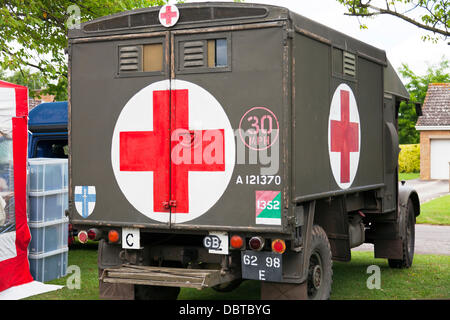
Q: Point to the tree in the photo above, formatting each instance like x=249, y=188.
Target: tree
x=34, y=34
x=417, y=87
x=430, y=15
x=26, y=77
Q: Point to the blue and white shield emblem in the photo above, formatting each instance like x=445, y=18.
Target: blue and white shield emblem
x=85, y=200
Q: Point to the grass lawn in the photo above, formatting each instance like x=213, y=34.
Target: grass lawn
x=436, y=211
x=428, y=278
x=84, y=256
x=408, y=176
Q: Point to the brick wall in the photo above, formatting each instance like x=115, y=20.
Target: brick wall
x=425, y=137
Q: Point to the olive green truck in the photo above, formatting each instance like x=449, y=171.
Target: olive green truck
x=216, y=142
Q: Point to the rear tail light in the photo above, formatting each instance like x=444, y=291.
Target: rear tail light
x=83, y=236
x=236, y=242
x=256, y=243
x=113, y=236
x=278, y=246
x=94, y=234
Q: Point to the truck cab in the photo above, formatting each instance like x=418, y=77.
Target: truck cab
x=47, y=135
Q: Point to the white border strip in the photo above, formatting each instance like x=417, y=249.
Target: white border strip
x=269, y=221
x=430, y=128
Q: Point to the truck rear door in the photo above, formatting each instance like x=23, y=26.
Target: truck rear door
x=227, y=103
x=193, y=138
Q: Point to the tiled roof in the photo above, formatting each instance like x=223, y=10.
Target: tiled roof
x=33, y=103
x=436, y=107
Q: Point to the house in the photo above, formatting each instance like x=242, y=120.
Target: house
x=434, y=127
x=41, y=98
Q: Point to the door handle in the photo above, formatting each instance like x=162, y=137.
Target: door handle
x=169, y=204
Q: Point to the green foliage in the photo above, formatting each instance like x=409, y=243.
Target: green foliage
x=430, y=15
x=417, y=87
x=33, y=80
x=408, y=176
x=409, y=158
x=34, y=34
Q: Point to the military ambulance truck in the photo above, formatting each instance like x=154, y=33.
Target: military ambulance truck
x=216, y=142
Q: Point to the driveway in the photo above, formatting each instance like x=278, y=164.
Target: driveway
x=429, y=189
x=429, y=240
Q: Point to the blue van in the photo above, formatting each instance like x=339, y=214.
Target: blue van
x=47, y=131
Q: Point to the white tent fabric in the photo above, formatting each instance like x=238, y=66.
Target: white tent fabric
x=7, y=109
x=27, y=290
x=7, y=246
x=14, y=231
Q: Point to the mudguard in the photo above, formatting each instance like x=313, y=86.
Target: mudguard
x=404, y=194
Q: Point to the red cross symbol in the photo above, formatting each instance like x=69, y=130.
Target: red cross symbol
x=345, y=136
x=149, y=150
x=168, y=15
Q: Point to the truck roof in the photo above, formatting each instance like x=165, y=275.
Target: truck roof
x=209, y=14
x=49, y=116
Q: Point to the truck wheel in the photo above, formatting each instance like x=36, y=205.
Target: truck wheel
x=320, y=270
x=142, y=292
x=228, y=286
x=408, y=239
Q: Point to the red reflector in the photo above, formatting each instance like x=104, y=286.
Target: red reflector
x=113, y=236
x=92, y=235
x=236, y=242
x=256, y=243
x=278, y=246
x=83, y=236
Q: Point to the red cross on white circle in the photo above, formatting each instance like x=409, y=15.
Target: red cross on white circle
x=169, y=15
x=344, y=136
x=155, y=158
x=157, y=129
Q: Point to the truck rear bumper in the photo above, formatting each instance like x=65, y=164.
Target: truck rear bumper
x=167, y=277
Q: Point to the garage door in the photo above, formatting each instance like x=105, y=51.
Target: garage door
x=440, y=157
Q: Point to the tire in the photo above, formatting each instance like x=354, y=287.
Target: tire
x=320, y=270
x=228, y=286
x=142, y=292
x=408, y=234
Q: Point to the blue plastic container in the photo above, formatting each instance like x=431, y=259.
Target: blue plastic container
x=46, y=174
x=47, y=205
x=48, y=236
x=50, y=265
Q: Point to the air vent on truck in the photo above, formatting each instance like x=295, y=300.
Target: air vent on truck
x=194, y=54
x=141, y=58
x=109, y=24
x=129, y=59
x=187, y=15
x=349, y=64
x=204, y=55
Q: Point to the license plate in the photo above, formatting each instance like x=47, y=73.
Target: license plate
x=131, y=238
x=261, y=265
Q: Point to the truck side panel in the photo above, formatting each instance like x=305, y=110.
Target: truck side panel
x=314, y=62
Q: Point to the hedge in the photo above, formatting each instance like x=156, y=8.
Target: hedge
x=409, y=158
